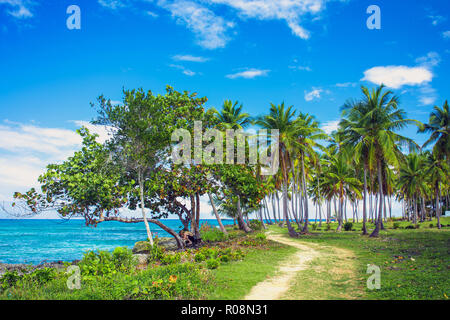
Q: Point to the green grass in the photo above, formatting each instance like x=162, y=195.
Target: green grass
x=414, y=264
x=235, y=280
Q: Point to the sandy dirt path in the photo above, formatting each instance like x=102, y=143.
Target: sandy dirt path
x=275, y=287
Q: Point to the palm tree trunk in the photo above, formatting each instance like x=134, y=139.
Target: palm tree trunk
x=438, y=213
x=305, y=226
x=241, y=222
x=377, y=229
x=222, y=228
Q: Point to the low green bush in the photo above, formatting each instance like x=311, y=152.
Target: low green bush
x=213, y=235
x=212, y=263
x=396, y=225
x=348, y=226
x=255, y=225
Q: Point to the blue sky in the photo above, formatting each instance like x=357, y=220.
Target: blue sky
x=313, y=54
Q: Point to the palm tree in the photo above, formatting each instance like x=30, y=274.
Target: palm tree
x=308, y=132
x=341, y=178
x=231, y=117
x=283, y=120
x=437, y=172
x=380, y=118
x=411, y=181
x=439, y=127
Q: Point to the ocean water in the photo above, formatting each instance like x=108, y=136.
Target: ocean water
x=34, y=241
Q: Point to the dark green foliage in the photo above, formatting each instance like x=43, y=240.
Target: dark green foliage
x=255, y=225
x=212, y=263
x=348, y=226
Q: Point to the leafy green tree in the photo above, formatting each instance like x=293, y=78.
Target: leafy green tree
x=439, y=127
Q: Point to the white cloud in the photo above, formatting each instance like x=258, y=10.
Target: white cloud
x=293, y=12
x=185, y=71
x=436, y=19
x=446, y=34
x=432, y=59
x=313, y=94
x=189, y=58
x=112, y=4
x=398, y=76
x=249, y=74
x=152, y=14
x=330, y=126
x=346, y=84
x=427, y=100
x=20, y=8
x=300, y=68
x=209, y=28
x=25, y=151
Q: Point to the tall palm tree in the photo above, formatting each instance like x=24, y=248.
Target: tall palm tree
x=283, y=120
x=308, y=133
x=411, y=181
x=231, y=117
x=341, y=178
x=380, y=118
x=439, y=127
x=437, y=171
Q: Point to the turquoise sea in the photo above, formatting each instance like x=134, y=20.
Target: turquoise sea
x=34, y=241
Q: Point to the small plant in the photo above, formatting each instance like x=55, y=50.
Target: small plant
x=261, y=236
x=212, y=263
x=328, y=227
x=396, y=225
x=431, y=225
x=348, y=226
x=212, y=235
x=314, y=226
x=199, y=257
x=255, y=225
x=417, y=226
x=410, y=227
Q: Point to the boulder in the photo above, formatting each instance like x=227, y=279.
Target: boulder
x=168, y=243
x=141, y=259
x=141, y=247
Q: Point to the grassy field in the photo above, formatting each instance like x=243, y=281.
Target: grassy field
x=414, y=263
x=234, y=280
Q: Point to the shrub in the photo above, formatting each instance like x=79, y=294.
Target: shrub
x=171, y=258
x=348, y=226
x=431, y=225
x=199, y=257
x=224, y=258
x=314, y=226
x=255, y=225
x=9, y=279
x=213, y=235
x=261, y=236
x=328, y=227
x=410, y=227
x=105, y=263
x=417, y=226
x=212, y=263
x=396, y=225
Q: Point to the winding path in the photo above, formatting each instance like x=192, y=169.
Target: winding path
x=274, y=288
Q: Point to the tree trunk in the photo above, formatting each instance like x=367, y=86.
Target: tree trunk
x=438, y=212
x=377, y=229
x=291, y=230
x=241, y=222
x=305, y=226
x=222, y=228
x=144, y=216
